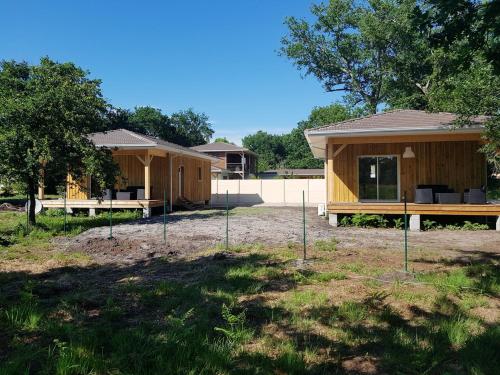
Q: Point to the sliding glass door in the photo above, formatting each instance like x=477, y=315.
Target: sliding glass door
x=378, y=178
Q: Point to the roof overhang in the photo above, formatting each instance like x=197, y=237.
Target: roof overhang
x=172, y=150
x=317, y=140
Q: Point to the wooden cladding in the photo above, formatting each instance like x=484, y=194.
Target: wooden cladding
x=458, y=164
x=133, y=173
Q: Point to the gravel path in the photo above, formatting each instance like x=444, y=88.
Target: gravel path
x=191, y=232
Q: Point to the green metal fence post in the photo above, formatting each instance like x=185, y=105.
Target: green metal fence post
x=27, y=213
x=227, y=220
x=111, y=216
x=406, y=235
x=164, y=216
x=304, y=221
x=65, y=213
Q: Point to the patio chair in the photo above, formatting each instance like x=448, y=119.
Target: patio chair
x=448, y=198
x=123, y=195
x=475, y=196
x=423, y=196
x=108, y=195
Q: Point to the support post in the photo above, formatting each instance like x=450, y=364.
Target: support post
x=147, y=177
x=146, y=212
x=41, y=186
x=415, y=223
x=91, y=212
x=304, y=221
x=498, y=223
x=333, y=220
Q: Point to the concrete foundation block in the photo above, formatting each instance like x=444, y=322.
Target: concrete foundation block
x=333, y=220
x=146, y=212
x=415, y=223
x=91, y=212
x=498, y=223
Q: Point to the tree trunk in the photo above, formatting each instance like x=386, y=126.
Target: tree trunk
x=31, y=214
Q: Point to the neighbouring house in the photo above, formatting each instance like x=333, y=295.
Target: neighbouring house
x=234, y=162
x=372, y=162
x=151, y=171
x=293, y=173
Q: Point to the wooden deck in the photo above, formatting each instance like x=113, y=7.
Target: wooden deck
x=104, y=204
x=490, y=209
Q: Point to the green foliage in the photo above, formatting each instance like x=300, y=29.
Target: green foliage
x=292, y=150
x=398, y=223
x=366, y=220
x=345, y=221
x=429, y=224
x=235, y=329
x=326, y=245
x=269, y=147
x=221, y=139
x=46, y=111
x=352, y=311
x=186, y=128
x=357, y=47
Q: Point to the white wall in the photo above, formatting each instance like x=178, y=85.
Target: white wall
x=285, y=192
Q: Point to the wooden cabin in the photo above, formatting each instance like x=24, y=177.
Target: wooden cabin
x=373, y=162
x=150, y=171
x=233, y=162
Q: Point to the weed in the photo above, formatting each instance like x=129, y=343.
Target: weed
x=398, y=223
x=235, y=329
x=352, y=311
x=326, y=245
x=365, y=221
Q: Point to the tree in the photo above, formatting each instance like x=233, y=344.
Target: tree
x=191, y=128
x=356, y=47
x=298, y=153
x=46, y=111
x=269, y=147
x=221, y=140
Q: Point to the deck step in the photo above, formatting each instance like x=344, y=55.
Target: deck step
x=188, y=205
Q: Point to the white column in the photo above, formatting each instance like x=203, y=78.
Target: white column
x=333, y=220
x=498, y=223
x=415, y=223
x=91, y=212
x=146, y=212
x=147, y=177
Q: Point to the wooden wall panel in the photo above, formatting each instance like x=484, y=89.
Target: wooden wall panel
x=132, y=174
x=194, y=189
x=77, y=189
x=457, y=164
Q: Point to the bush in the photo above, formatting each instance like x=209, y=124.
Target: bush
x=398, y=223
x=55, y=212
x=365, y=220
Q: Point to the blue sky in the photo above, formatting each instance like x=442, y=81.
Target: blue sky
x=219, y=56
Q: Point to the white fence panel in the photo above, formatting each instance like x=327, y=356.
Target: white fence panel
x=271, y=192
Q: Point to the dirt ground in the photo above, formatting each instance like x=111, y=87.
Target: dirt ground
x=189, y=233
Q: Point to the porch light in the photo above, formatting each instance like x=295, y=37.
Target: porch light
x=408, y=154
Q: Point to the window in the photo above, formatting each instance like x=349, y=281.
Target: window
x=200, y=176
x=378, y=178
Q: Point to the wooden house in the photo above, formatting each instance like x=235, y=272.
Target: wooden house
x=373, y=162
x=233, y=162
x=150, y=171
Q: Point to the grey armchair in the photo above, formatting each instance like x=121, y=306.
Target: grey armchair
x=475, y=196
x=424, y=196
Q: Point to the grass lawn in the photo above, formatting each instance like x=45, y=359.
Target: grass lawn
x=251, y=311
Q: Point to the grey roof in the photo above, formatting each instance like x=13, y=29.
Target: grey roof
x=122, y=138
x=221, y=147
x=296, y=172
x=396, y=120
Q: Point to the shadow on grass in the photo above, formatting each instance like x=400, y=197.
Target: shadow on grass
x=202, y=316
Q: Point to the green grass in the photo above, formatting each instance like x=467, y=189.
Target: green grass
x=253, y=312
x=328, y=245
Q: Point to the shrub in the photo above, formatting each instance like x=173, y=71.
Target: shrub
x=56, y=212
x=345, y=221
x=429, y=224
x=365, y=220
x=398, y=223
x=474, y=226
